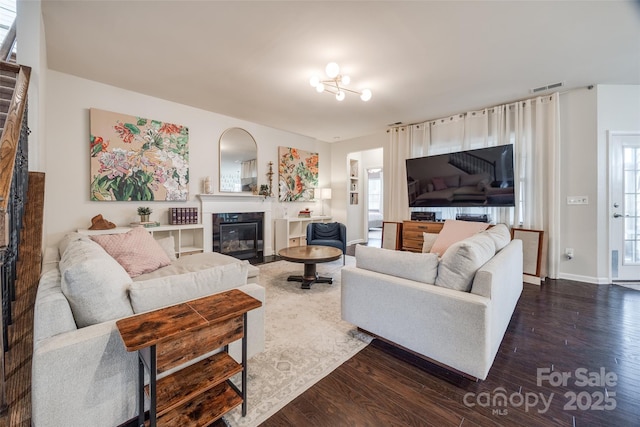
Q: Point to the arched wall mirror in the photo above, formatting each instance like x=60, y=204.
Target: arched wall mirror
x=238, y=161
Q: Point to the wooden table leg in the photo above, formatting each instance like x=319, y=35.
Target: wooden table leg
x=309, y=277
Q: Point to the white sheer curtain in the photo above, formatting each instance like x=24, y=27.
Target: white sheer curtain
x=406, y=142
x=532, y=126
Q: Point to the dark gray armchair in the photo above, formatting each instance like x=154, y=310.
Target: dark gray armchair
x=328, y=234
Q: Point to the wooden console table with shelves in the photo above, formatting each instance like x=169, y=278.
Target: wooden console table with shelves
x=170, y=337
x=412, y=238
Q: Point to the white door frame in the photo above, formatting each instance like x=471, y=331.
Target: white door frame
x=610, y=209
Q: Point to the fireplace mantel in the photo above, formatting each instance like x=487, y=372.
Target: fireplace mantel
x=231, y=197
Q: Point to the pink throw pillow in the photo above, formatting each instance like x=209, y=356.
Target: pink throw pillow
x=453, y=231
x=136, y=250
x=439, y=184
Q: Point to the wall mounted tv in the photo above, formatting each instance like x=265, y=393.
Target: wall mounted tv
x=482, y=177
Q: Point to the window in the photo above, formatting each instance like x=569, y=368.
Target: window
x=7, y=16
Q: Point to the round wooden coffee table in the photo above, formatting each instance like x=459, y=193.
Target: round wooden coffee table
x=310, y=256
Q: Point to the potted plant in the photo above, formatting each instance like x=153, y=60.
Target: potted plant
x=144, y=213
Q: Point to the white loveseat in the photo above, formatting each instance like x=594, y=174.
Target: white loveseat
x=81, y=373
x=452, y=310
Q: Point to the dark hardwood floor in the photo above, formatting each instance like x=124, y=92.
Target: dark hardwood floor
x=587, y=334
x=561, y=327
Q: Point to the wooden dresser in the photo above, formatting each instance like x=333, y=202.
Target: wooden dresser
x=412, y=239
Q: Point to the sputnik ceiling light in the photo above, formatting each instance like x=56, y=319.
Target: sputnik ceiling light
x=336, y=83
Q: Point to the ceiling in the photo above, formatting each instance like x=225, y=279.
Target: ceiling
x=422, y=60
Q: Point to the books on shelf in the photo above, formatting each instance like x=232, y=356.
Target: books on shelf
x=304, y=214
x=145, y=224
x=181, y=216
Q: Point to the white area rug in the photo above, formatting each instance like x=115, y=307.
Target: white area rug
x=305, y=340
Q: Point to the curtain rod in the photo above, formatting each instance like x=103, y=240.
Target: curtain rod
x=589, y=87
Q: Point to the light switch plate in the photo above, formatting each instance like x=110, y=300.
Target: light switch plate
x=577, y=200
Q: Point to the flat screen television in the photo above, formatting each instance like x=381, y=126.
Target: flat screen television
x=482, y=177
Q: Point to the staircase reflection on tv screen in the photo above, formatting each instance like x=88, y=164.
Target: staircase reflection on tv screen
x=482, y=177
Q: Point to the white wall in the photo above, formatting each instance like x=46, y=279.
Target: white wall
x=340, y=208
x=68, y=99
x=585, y=117
x=578, y=116
x=31, y=52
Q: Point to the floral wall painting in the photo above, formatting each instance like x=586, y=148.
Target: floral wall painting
x=137, y=159
x=298, y=174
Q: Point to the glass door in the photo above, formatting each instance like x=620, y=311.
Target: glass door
x=624, y=219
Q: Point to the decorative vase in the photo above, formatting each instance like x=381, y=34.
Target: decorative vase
x=144, y=218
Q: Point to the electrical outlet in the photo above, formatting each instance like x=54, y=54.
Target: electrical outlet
x=569, y=253
x=577, y=200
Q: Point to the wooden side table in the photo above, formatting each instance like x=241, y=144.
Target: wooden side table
x=169, y=337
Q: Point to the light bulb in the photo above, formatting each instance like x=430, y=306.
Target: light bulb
x=320, y=87
x=340, y=95
x=314, y=81
x=332, y=69
x=345, y=80
x=366, y=95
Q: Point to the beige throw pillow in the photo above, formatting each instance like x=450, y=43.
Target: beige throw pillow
x=460, y=262
x=94, y=283
x=168, y=246
x=500, y=235
x=428, y=240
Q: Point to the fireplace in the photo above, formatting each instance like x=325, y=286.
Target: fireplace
x=239, y=235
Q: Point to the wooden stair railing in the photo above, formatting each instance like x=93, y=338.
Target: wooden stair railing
x=13, y=187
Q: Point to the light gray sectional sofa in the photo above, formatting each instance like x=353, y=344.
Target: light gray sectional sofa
x=453, y=310
x=81, y=373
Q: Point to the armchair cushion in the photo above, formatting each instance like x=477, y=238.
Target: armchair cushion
x=327, y=234
x=329, y=231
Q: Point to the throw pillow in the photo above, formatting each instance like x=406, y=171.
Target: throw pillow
x=164, y=291
x=68, y=238
x=136, y=250
x=460, y=262
x=94, y=284
x=168, y=246
x=500, y=235
x=408, y=265
x=454, y=231
x=438, y=184
x=429, y=240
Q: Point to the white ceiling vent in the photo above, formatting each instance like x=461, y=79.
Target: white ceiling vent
x=547, y=87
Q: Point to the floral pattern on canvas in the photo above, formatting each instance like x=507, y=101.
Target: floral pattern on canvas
x=137, y=159
x=298, y=174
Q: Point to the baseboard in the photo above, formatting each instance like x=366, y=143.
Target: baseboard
x=585, y=279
